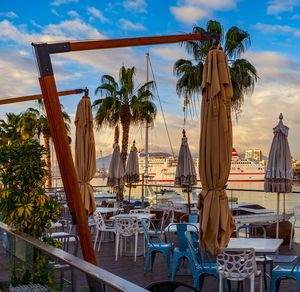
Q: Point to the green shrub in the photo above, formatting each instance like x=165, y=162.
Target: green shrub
x=24, y=204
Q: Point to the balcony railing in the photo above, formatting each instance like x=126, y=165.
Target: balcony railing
x=18, y=255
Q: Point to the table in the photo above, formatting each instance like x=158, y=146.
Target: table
x=136, y=215
x=105, y=210
x=264, y=245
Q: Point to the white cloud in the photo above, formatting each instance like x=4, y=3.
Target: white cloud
x=66, y=30
x=284, y=29
x=279, y=6
x=59, y=2
x=138, y=6
x=191, y=11
x=295, y=17
x=190, y=14
x=54, y=12
x=9, y=14
x=73, y=13
x=277, y=90
x=128, y=25
x=97, y=14
x=214, y=4
x=170, y=53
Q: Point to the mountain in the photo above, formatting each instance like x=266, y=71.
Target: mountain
x=161, y=154
x=103, y=162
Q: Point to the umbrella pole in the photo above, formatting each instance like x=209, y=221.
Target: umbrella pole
x=283, y=206
x=277, y=223
x=129, y=193
x=189, y=202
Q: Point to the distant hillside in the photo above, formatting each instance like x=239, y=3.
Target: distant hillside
x=105, y=161
x=161, y=154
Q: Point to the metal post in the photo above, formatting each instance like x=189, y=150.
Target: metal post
x=147, y=136
x=63, y=150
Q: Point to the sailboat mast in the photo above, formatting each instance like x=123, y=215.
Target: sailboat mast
x=147, y=127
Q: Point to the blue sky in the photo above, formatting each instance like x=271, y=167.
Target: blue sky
x=274, y=27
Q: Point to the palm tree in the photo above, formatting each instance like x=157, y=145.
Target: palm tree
x=243, y=73
x=124, y=103
x=35, y=119
x=10, y=128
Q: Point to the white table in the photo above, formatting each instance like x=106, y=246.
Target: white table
x=136, y=215
x=264, y=245
x=105, y=210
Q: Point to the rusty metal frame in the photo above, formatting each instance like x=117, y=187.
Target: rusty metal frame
x=54, y=113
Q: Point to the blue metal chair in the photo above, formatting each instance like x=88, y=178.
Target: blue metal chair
x=280, y=272
x=169, y=286
x=201, y=269
x=156, y=247
x=190, y=218
x=181, y=251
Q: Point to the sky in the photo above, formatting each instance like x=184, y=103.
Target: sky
x=274, y=27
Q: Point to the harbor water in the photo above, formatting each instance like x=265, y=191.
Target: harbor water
x=248, y=192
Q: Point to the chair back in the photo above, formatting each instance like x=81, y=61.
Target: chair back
x=296, y=265
x=165, y=205
x=70, y=242
x=146, y=225
x=127, y=226
x=190, y=244
x=190, y=218
x=99, y=220
x=181, y=228
x=236, y=263
x=251, y=231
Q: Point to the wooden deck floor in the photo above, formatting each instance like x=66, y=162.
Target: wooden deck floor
x=132, y=271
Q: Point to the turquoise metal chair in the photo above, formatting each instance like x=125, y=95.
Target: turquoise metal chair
x=155, y=247
x=280, y=272
x=181, y=251
x=201, y=269
x=190, y=218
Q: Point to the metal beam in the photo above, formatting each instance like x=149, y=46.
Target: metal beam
x=64, y=47
x=58, y=132
x=38, y=96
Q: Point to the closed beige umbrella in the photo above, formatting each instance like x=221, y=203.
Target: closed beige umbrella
x=185, y=171
x=132, y=174
x=116, y=172
x=85, y=157
x=279, y=173
x=216, y=222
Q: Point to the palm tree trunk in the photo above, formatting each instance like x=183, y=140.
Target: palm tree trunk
x=125, y=121
x=46, y=137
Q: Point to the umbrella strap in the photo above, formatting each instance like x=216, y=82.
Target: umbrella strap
x=214, y=188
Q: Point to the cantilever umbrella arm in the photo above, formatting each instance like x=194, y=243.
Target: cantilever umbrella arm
x=55, y=118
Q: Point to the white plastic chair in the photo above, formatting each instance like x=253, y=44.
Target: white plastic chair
x=237, y=264
x=126, y=227
x=295, y=223
x=102, y=227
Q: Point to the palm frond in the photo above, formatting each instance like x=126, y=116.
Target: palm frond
x=236, y=42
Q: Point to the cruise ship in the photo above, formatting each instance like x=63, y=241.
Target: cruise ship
x=162, y=169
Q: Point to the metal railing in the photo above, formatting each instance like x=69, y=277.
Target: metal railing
x=91, y=276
